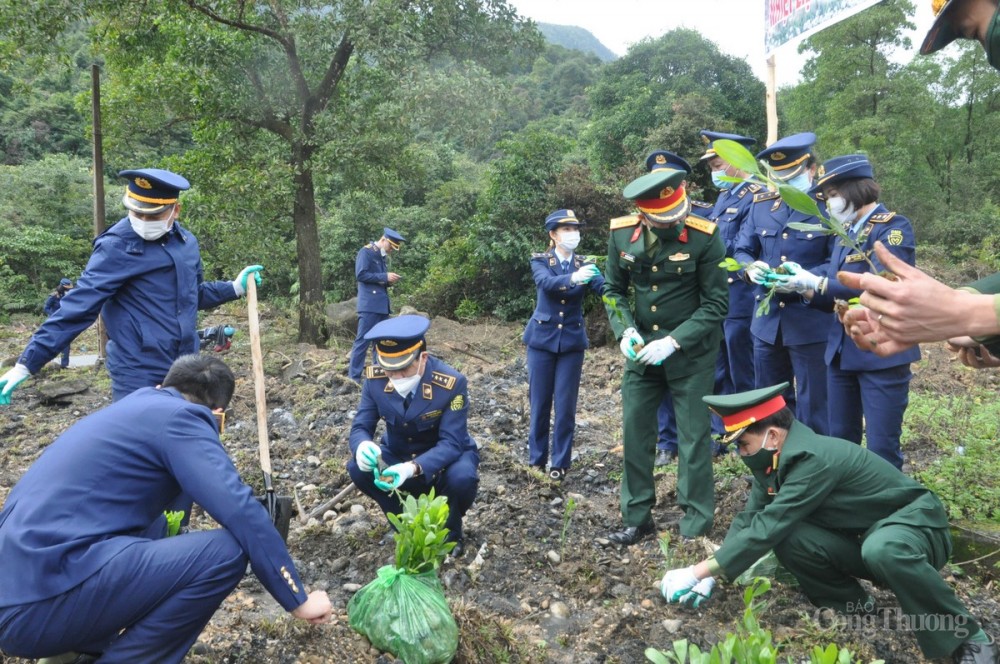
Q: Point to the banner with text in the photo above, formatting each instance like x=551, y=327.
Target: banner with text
x=789, y=20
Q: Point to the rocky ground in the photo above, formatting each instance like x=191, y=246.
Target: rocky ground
x=538, y=583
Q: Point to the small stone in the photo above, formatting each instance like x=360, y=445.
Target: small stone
x=526, y=608
x=603, y=541
x=357, y=510
x=553, y=557
x=313, y=460
x=556, y=501
x=545, y=604
x=559, y=610
x=312, y=522
x=501, y=489
x=351, y=587
x=329, y=515
x=672, y=626
x=309, y=487
x=646, y=604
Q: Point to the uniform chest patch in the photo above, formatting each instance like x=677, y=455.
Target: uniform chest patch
x=895, y=237
x=430, y=415
x=678, y=257
x=854, y=258
x=628, y=257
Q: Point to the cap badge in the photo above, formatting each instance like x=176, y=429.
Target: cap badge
x=777, y=156
x=144, y=183
x=660, y=159
x=388, y=342
x=937, y=6
x=821, y=172
x=705, y=140
x=667, y=192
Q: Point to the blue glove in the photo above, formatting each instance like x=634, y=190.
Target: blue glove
x=240, y=284
x=11, y=380
x=796, y=279
x=630, y=339
x=398, y=473
x=367, y=456
x=585, y=274
x=655, y=352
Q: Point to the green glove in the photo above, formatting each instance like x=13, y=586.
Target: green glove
x=240, y=284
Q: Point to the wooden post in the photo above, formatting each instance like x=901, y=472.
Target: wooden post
x=772, y=101
x=95, y=100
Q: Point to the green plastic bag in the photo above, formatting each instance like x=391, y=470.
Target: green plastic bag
x=767, y=566
x=406, y=615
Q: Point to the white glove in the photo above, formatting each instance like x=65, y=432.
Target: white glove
x=676, y=583
x=398, y=473
x=585, y=274
x=757, y=271
x=698, y=594
x=366, y=456
x=240, y=283
x=10, y=380
x=630, y=339
x=655, y=352
x=797, y=280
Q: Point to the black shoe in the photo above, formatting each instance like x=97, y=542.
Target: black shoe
x=459, y=548
x=977, y=653
x=632, y=534
x=664, y=458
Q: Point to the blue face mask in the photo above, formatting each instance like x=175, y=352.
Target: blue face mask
x=800, y=182
x=719, y=183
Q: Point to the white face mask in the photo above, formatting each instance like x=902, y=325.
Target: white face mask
x=149, y=230
x=404, y=386
x=569, y=240
x=840, y=210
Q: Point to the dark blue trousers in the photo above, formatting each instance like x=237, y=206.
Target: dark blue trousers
x=736, y=358
x=880, y=396
x=366, y=321
x=161, y=592
x=459, y=482
x=804, y=368
x=553, y=377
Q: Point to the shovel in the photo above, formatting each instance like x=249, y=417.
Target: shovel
x=279, y=508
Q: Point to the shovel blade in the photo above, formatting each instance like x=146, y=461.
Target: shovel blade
x=281, y=514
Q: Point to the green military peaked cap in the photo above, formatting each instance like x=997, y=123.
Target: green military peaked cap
x=660, y=195
x=738, y=411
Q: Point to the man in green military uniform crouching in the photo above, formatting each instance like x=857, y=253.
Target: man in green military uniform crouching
x=669, y=331
x=833, y=513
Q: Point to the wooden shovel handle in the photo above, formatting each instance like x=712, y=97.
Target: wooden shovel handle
x=258, y=376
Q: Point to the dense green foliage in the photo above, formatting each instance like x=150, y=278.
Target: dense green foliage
x=456, y=126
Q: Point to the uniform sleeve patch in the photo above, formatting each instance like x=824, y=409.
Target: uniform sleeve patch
x=881, y=217
x=374, y=371
x=895, y=237
x=624, y=222
x=443, y=380
x=458, y=402
x=699, y=224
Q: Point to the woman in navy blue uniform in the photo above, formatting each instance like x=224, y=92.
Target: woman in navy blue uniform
x=556, y=339
x=859, y=384
x=789, y=340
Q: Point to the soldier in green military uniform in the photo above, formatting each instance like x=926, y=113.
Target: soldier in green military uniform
x=833, y=513
x=670, y=331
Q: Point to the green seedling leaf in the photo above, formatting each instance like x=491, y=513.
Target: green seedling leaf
x=798, y=200
x=737, y=155
x=731, y=265
x=731, y=178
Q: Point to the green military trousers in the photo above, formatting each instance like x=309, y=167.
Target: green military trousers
x=642, y=392
x=906, y=559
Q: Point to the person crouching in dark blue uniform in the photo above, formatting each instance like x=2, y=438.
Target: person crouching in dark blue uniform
x=866, y=393
x=426, y=444
x=51, y=306
x=144, y=278
x=556, y=339
x=87, y=563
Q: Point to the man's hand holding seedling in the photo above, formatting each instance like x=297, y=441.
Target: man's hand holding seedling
x=396, y=475
x=631, y=343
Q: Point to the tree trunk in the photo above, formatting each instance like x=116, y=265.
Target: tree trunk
x=312, y=329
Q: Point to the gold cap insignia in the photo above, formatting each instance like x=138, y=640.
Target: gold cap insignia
x=570, y=214
x=777, y=156
x=821, y=172
x=705, y=140
x=388, y=342
x=937, y=6
x=667, y=192
x=660, y=159
x=144, y=183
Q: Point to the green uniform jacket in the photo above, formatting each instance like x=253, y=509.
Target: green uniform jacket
x=989, y=286
x=679, y=290
x=830, y=483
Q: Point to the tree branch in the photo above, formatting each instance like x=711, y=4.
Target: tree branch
x=330, y=80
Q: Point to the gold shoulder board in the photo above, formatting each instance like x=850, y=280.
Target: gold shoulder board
x=443, y=380
x=624, y=222
x=765, y=196
x=699, y=224
x=374, y=371
x=881, y=217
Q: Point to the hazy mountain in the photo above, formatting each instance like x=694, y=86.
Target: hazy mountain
x=571, y=36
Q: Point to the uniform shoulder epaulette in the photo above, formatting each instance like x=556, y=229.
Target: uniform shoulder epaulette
x=374, y=371
x=765, y=196
x=443, y=380
x=751, y=188
x=699, y=224
x=702, y=205
x=624, y=222
x=542, y=254
x=881, y=217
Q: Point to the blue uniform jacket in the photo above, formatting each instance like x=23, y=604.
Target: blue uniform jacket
x=51, y=305
x=433, y=432
x=731, y=210
x=557, y=323
x=103, y=482
x=373, y=280
x=765, y=236
x=896, y=233
x=149, y=293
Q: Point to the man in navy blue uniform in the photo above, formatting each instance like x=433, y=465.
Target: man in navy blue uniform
x=374, y=280
x=734, y=372
x=790, y=340
x=51, y=306
x=426, y=444
x=145, y=279
x=82, y=534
